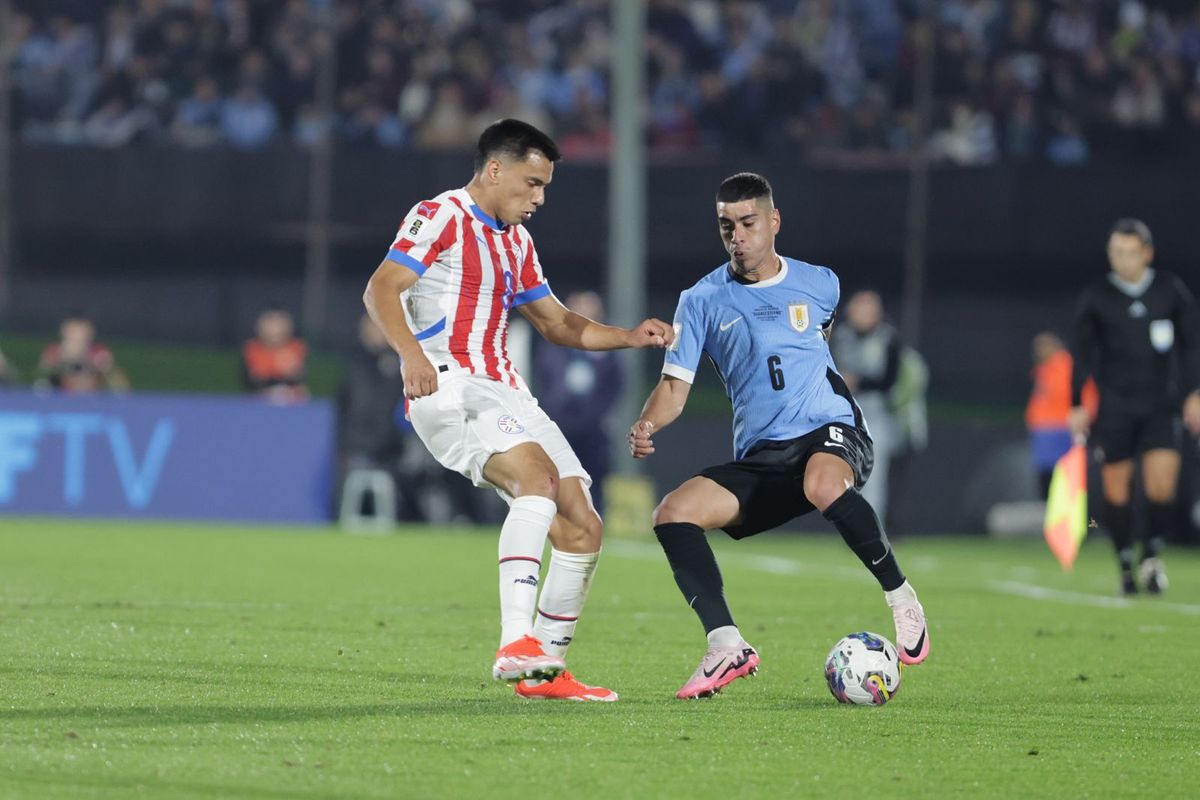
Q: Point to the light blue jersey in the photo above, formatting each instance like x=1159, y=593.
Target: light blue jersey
x=766, y=341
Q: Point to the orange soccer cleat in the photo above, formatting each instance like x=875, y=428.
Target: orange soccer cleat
x=525, y=658
x=565, y=687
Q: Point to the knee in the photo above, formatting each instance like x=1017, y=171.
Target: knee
x=669, y=510
x=1117, y=495
x=540, y=480
x=1162, y=493
x=823, y=489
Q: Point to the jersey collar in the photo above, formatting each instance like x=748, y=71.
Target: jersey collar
x=482, y=216
x=777, y=278
x=1132, y=289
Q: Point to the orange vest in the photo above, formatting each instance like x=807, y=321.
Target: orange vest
x=1050, y=403
x=275, y=364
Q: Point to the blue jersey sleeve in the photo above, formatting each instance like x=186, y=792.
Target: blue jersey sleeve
x=683, y=356
x=835, y=295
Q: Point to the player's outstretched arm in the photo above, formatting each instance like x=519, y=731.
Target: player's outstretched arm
x=382, y=299
x=560, y=325
x=663, y=407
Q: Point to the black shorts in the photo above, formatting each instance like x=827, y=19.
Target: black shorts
x=769, y=480
x=1120, y=435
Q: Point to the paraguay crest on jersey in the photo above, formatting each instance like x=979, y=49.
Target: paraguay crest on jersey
x=798, y=316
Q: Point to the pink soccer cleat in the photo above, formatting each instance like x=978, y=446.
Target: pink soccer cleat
x=720, y=667
x=912, y=635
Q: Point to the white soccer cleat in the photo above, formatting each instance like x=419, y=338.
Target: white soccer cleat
x=912, y=634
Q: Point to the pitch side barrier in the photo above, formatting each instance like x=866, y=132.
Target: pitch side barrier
x=163, y=456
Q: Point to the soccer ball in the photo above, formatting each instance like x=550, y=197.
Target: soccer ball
x=863, y=669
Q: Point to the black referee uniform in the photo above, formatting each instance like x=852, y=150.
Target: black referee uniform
x=1141, y=343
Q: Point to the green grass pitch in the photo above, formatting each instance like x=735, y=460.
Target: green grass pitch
x=203, y=661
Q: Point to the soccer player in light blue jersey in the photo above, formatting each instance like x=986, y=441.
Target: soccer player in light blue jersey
x=800, y=440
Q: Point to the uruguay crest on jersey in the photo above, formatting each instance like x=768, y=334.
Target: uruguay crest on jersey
x=781, y=385
x=798, y=316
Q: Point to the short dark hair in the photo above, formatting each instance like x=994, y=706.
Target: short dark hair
x=1130, y=226
x=512, y=137
x=744, y=186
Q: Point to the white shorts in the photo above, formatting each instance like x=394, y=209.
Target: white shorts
x=469, y=419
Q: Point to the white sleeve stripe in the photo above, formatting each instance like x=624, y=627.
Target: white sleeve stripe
x=676, y=371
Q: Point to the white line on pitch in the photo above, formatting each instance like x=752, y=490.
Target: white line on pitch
x=1032, y=592
x=778, y=565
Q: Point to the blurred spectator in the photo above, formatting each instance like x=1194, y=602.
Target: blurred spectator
x=7, y=373
x=370, y=398
x=248, y=120
x=448, y=125
x=198, y=118
x=580, y=389
x=968, y=138
x=1139, y=100
x=370, y=403
x=816, y=77
x=273, y=363
x=866, y=349
x=115, y=124
x=588, y=136
x=1067, y=147
x=1021, y=130
x=1049, y=405
x=911, y=412
x=77, y=363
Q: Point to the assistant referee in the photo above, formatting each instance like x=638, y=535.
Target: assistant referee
x=1137, y=333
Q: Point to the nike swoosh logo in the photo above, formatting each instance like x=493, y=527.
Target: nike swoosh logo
x=913, y=653
x=835, y=444
x=736, y=665
x=708, y=673
x=727, y=325
x=886, y=550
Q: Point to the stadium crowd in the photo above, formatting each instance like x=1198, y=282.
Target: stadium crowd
x=1018, y=80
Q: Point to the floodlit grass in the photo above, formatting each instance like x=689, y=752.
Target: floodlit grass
x=192, y=661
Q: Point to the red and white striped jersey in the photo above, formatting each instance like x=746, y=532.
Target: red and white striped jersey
x=473, y=271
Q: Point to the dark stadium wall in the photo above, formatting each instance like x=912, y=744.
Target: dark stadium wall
x=994, y=229
x=188, y=246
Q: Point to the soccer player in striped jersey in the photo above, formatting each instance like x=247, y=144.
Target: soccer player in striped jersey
x=800, y=440
x=458, y=266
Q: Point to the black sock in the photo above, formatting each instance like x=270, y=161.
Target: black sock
x=1160, y=524
x=859, y=525
x=1119, y=522
x=696, y=571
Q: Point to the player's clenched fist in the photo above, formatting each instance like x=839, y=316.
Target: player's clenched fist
x=651, y=333
x=640, y=443
x=420, y=378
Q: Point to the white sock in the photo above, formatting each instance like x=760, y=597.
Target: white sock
x=522, y=540
x=567, y=583
x=904, y=593
x=725, y=636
